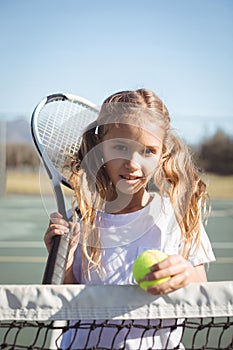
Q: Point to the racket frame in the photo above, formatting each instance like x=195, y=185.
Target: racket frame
x=57, y=259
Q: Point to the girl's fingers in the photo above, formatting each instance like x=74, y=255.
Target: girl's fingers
x=58, y=221
x=171, y=260
x=176, y=282
x=63, y=228
x=169, y=271
x=55, y=215
x=59, y=226
x=171, y=266
x=50, y=233
x=177, y=268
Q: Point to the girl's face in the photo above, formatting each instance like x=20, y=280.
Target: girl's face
x=131, y=155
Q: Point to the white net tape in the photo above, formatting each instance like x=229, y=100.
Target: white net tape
x=72, y=302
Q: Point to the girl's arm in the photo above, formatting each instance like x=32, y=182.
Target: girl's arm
x=58, y=226
x=181, y=271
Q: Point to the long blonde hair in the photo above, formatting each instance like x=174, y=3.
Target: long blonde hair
x=176, y=177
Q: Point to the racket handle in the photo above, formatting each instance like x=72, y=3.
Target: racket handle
x=56, y=263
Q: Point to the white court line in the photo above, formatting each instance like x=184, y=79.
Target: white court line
x=221, y=213
x=224, y=260
x=222, y=245
x=23, y=259
x=22, y=244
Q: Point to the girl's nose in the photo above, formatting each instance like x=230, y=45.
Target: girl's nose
x=132, y=163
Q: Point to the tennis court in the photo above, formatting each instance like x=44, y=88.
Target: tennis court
x=24, y=221
x=22, y=256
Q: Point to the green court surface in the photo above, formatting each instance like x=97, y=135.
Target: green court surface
x=24, y=220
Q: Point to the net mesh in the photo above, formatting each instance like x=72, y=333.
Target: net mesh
x=199, y=316
x=196, y=334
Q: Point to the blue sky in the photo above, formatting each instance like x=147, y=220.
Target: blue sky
x=181, y=49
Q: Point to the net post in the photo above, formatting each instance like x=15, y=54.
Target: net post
x=2, y=157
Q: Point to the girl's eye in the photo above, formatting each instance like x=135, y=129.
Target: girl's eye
x=121, y=148
x=148, y=152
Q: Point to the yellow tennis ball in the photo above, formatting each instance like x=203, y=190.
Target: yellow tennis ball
x=142, y=266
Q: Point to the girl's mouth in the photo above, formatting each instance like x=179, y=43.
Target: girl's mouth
x=130, y=177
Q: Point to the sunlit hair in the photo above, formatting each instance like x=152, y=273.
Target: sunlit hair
x=176, y=176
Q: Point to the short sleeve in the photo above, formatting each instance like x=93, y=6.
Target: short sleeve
x=204, y=253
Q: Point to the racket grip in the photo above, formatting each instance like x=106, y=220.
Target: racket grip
x=56, y=263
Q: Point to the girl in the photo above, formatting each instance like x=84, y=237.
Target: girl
x=130, y=148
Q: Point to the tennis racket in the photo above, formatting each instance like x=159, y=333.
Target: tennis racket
x=57, y=125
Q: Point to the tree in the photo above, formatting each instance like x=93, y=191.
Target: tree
x=21, y=155
x=215, y=154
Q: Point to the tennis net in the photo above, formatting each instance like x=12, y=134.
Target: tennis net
x=199, y=316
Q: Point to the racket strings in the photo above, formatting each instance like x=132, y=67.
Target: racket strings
x=60, y=127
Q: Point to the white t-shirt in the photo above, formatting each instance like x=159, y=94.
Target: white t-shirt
x=123, y=238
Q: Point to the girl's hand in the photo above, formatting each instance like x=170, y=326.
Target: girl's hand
x=58, y=226
x=181, y=271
